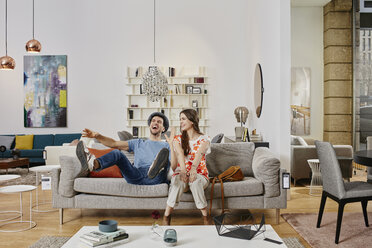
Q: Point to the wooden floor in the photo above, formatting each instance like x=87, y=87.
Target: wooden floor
x=48, y=223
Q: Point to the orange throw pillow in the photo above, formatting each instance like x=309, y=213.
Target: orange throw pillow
x=112, y=171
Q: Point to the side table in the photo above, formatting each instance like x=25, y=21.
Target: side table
x=316, y=178
x=19, y=189
x=4, y=178
x=38, y=170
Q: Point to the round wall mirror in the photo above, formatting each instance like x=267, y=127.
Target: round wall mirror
x=258, y=90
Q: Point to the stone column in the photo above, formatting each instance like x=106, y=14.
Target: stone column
x=338, y=72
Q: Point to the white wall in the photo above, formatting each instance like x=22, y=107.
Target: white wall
x=102, y=38
x=307, y=51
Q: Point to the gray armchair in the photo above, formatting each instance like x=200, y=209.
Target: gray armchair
x=335, y=188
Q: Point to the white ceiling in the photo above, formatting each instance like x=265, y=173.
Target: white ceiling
x=309, y=3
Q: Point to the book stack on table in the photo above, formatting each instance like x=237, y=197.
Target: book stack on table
x=96, y=238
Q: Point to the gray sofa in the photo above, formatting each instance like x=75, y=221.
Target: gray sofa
x=260, y=189
x=300, y=168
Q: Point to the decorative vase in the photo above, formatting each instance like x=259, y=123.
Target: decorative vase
x=239, y=132
x=156, y=232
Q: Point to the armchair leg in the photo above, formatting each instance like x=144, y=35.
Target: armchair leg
x=341, y=206
x=364, y=207
x=321, y=209
x=61, y=216
x=277, y=216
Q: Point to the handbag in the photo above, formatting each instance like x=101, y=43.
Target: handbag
x=233, y=173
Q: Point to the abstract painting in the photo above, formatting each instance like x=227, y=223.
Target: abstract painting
x=300, y=101
x=45, y=91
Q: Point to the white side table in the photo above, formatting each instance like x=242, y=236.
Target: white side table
x=316, y=185
x=38, y=170
x=19, y=189
x=4, y=178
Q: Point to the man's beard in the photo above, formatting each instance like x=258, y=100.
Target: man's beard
x=155, y=133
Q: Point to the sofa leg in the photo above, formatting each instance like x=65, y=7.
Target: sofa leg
x=61, y=216
x=277, y=216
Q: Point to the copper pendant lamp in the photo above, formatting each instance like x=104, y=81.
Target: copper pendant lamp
x=33, y=46
x=6, y=62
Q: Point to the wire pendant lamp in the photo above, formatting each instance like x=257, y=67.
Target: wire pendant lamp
x=6, y=62
x=33, y=46
x=154, y=82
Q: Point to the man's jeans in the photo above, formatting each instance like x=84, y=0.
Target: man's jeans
x=132, y=175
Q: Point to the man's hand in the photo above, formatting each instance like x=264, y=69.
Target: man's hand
x=193, y=174
x=89, y=133
x=171, y=137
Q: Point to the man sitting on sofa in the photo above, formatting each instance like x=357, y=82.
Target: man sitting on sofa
x=151, y=161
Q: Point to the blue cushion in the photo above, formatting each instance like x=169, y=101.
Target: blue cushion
x=43, y=140
x=59, y=139
x=34, y=153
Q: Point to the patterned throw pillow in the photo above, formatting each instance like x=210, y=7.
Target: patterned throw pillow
x=6, y=141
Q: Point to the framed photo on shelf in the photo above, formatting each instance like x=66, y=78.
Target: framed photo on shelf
x=196, y=90
x=189, y=90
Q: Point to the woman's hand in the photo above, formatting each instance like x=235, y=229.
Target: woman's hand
x=184, y=176
x=192, y=174
x=171, y=137
x=89, y=133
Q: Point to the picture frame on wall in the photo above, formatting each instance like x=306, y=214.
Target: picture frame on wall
x=196, y=90
x=189, y=89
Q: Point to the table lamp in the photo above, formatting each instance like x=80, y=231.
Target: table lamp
x=241, y=115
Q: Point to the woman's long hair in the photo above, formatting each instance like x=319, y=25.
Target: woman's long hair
x=192, y=116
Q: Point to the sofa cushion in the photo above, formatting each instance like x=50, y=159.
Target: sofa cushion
x=24, y=142
x=266, y=169
x=32, y=153
x=224, y=155
x=43, y=140
x=112, y=171
x=119, y=187
x=70, y=169
x=59, y=139
x=250, y=186
x=6, y=141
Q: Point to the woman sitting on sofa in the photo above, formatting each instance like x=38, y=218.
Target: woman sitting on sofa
x=191, y=171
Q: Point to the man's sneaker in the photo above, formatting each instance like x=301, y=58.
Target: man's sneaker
x=85, y=157
x=159, y=163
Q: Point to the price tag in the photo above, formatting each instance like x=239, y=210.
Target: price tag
x=46, y=183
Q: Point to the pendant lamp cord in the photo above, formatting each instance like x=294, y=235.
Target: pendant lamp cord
x=6, y=27
x=154, y=32
x=33, y=19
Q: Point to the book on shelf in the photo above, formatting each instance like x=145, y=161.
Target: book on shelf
x=110, y=239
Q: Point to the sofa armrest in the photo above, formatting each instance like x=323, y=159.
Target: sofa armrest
x=70, y=170
x=266, y=168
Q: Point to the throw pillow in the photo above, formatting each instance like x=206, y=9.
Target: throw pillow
x=266, y=169
x=112, y=171
x=24, y=142
x=6, y=141
x=124, y=135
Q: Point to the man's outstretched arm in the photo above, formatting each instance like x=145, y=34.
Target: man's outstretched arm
x=107, y=141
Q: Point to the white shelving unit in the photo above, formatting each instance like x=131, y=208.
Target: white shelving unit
x=188, y=88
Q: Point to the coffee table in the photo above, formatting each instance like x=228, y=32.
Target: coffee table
x=187, y=236
x=4, y=178
x=14, y=189
x=6, y=163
